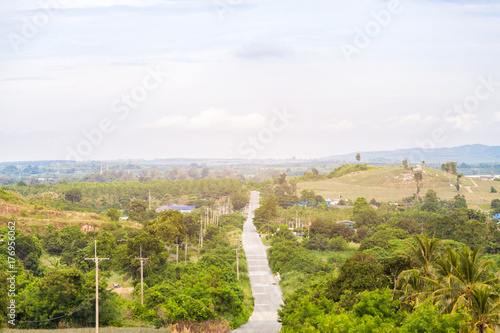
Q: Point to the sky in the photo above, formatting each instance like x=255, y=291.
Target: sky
x=127, y=79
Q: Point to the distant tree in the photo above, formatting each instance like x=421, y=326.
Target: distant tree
x=21, y=183
x=239, y=200
x=358, y=157
x=137, y=210
x=339, y=244
x=315, y=172
x=169, y=227
x=318, y=242
x=431, y=202
x=405, y=163
x=495, y=203
x=460, y=201
x=418, y=176
x=360, y=204
x=73, y=195
x=458, y=181
x=493, y=190
x=308, y=196
x=113, y=214
x=205, y=172
x=282, y=179
x=450, y=167
x=267, y=211
x=193, y=173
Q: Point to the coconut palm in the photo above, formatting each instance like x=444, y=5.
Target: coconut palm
x=458, y=276
x=485, y=310
x=424, y=253
x=414, y=285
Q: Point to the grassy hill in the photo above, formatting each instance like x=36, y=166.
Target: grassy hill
x=392, y=183
x=33, y=217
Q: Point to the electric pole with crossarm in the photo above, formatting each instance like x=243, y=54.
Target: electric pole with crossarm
x=142, y=260
x=96, y=260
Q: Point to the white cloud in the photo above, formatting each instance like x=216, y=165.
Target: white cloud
x=464, y=122
x=212, y=119
x=413, y=119
x=343, y=124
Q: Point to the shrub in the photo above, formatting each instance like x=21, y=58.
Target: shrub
x=338, y=244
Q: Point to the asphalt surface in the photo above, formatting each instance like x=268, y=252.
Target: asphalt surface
x=265, y=290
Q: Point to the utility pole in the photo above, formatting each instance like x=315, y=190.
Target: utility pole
x=177, y=256
x=186, y=250
x=142, y=260
x=96, y=260
x=201, y=233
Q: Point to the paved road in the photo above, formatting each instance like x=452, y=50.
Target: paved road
x=266, y=293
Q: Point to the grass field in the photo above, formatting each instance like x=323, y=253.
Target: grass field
x=393, y=183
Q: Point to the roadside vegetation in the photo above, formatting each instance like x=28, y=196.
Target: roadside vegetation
x=428, y=266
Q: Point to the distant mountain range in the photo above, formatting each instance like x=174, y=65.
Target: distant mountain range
x=462, y=154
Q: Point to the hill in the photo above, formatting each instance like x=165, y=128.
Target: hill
x=34, y=217
x=463, y=154
x=392, y=183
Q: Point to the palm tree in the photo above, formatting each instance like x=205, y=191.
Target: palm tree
x=424, y=254
x=462, y=278
x=485, y=310
x=415, y=285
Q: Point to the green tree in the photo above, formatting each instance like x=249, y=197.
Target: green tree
x=412, y=284
x=360, y=204
x=239, y=200
x=458, y=275
x=317, y=242
x=360, y=272
x=61, y=292
x=460, y=201
x=431, y=203
x=169, y=227
x=418, y=177
x=267, y=211
x=315, y=172
x=485, y=309
x=493, y=190
x=405, y=163
x=458, y=181
x=73, y=195
x=137, y=210
x=358, y=157
x=113, y=214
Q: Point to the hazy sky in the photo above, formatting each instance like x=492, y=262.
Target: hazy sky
x=111, y=79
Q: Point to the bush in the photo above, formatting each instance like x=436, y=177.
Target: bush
x=372, y=242
x=317, y=242
x=113, y=214
x=493, y=190
x=338, y=244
